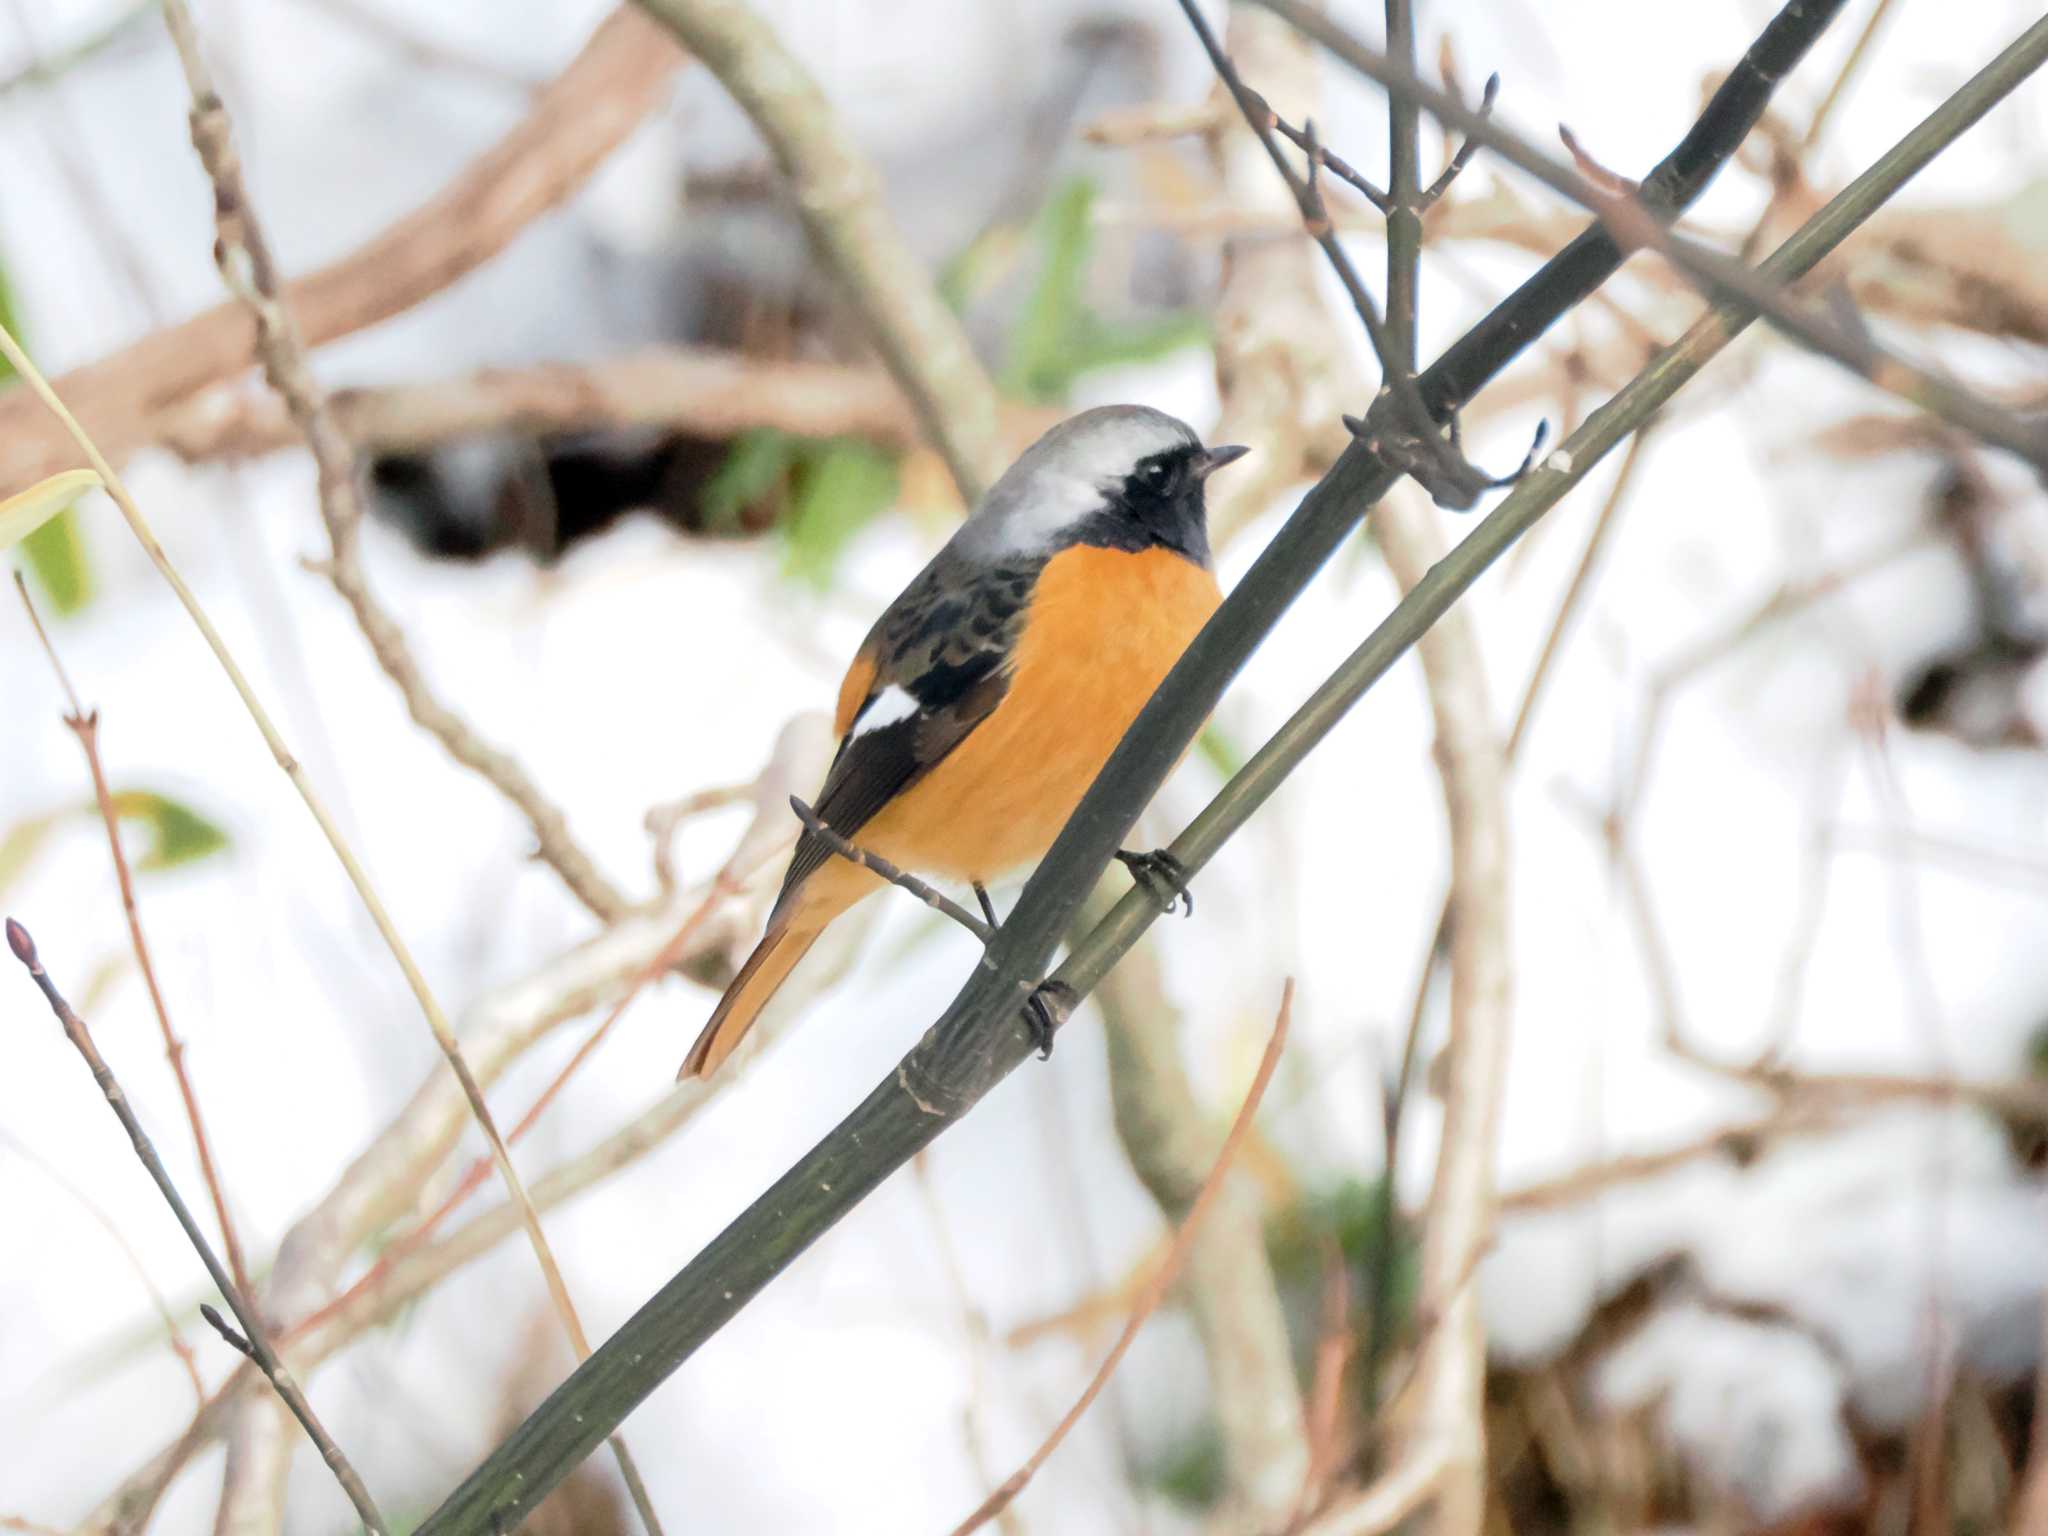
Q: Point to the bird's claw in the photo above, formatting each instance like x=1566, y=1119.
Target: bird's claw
x=1163, y=875
x=1045, y=1010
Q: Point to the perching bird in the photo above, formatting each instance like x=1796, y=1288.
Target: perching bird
x=990, y=693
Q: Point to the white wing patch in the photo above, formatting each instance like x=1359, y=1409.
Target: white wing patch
x=893, y=704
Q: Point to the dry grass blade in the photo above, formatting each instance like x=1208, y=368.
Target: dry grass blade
x=1156, y=1288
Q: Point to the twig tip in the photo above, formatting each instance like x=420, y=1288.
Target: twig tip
x=23, y=946
x=226, y=1330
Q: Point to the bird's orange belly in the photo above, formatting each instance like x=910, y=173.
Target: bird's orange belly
x=1104, y=628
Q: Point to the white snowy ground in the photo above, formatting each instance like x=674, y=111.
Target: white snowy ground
x=836, y=1403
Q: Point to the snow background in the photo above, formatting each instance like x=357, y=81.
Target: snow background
x=836, y=1403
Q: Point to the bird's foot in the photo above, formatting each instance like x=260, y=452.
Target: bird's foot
x=1045, y=1010
x=1163, y=875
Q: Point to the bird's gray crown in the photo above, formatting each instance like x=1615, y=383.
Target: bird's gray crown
x=1067, y=475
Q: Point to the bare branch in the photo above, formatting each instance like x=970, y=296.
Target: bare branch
x=1719, y=276
x=882, y=869
x=254, y=1345
x=1284, y=372
x=705, y=393
x=1420, y=449
x=86, y=727
x=620, y=76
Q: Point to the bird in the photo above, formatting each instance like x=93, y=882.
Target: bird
x=989, y=694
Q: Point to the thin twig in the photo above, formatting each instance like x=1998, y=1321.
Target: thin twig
x=257, y=1346
x=243, y=255
x=1466, y=150
x=1423, y=450
x=875, y=864
x=1858, y=51
x=86, y=727
x=1719, y=276
x=1318, y=154
x=1156, y=1289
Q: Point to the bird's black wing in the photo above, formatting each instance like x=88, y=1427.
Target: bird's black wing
x=942, y=654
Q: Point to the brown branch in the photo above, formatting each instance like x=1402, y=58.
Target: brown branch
x=255, y=1345
x=242, y=253
x=1737, y=1143
x=86, y=727
x=705, y=393
x=1283, y=369
x=620, y=76
x=1155, y=1290
x=840, y=198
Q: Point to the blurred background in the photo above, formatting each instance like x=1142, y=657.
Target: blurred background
x=1771, y=1237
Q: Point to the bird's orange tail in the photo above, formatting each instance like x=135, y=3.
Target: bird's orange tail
x=759, y=979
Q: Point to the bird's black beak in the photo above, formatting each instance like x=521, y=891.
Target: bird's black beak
x=1212, y=459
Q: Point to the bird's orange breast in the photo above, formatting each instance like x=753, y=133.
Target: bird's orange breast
x=1103, y=629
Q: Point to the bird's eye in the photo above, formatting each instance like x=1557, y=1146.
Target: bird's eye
x=1155, y=476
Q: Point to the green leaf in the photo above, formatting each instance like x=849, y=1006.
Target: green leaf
x=19, y=845
x=1190, y=1472
x=842, y=486
x=179, y=834
x=1100, y=345
x=56, y=554
x=1058, y=337
x=42, y=520
x=756, y=469
x=1041, y=345
x=1220, y=752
